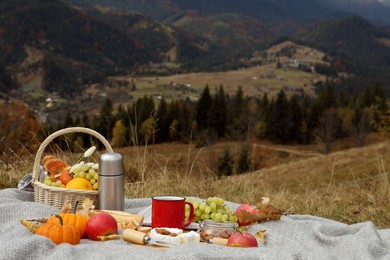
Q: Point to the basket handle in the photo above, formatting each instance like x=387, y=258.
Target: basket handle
x=38, y=156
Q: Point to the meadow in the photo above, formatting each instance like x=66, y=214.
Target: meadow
x=255, y=81
x=350, y=185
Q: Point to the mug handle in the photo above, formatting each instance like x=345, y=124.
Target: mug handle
x=191, y=214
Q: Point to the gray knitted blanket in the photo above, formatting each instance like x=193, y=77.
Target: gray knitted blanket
x=293, y=237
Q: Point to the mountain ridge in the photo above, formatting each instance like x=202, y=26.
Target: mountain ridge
x=73, y=46
x=86, y=41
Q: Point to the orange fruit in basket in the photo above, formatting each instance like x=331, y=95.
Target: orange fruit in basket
x=79, y=184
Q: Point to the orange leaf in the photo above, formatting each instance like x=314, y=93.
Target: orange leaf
x=264, y=212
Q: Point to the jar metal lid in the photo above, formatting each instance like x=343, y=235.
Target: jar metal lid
x=208, y=223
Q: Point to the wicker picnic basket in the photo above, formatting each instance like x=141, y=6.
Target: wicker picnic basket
x=56, y=196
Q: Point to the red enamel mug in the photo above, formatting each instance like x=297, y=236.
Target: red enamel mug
x=168, y=211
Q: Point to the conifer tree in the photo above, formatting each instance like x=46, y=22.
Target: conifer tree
x=260, y=124
x=279, y=119
x=144, y=107
x=371, y=94
x=86, y=138
x=173, y=110
x=163, y=122
x=264, y=102
x=68, y=121
x=217, y=113
x=237, y=120
x=327, y=97
x=311, y=117
x=106, y=119
x=296, y=119
x=85, y=121
x=202, y=109
x=243, y=163
x=363, y=126
x=225, y=163
x=77, y=121
x=184, y=120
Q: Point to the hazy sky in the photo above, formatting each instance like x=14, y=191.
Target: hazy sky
x=386, y=2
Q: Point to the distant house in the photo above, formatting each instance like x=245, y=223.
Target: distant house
x=300, y=64
x=50, y=102
x=293, y=63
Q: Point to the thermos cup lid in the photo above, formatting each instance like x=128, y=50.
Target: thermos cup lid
x=110, y=164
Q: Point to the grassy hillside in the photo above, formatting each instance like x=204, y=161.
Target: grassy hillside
x=350, y=185
x=352, y=39
x=240, y=28
x=79, y=48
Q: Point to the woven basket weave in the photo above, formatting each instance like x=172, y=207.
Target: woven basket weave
x=56, y=196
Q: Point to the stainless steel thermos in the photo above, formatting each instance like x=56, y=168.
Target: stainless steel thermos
x=111, y=182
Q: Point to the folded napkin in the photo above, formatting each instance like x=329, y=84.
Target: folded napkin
x=26, y=182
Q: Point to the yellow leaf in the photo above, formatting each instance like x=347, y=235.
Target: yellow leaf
x=86, y=207
x=261, y=236
x=67, y=207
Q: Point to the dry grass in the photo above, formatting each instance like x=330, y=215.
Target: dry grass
x=348, y=185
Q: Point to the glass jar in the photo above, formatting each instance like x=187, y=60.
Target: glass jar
x=210, y=229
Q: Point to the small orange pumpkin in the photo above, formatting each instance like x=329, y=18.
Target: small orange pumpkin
x=59, y=233
x=76, y=220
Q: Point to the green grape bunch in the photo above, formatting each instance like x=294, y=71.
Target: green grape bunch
x=51, y=181
x=88, y=171
x=213, y=208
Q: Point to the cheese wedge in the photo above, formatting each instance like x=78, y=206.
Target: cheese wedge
x=181, y=238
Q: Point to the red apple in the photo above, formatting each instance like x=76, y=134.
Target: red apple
x=101, y=224
x=65, y=177
x=242, y=239
x=248, y=208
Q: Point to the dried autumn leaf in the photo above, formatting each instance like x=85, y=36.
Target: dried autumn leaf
x=264, y=212
x=31, y=225
x=261, y=235
x=264, y=200
x=40, y=220
x=109, y=237
x=67, y=207
x=86, y=207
